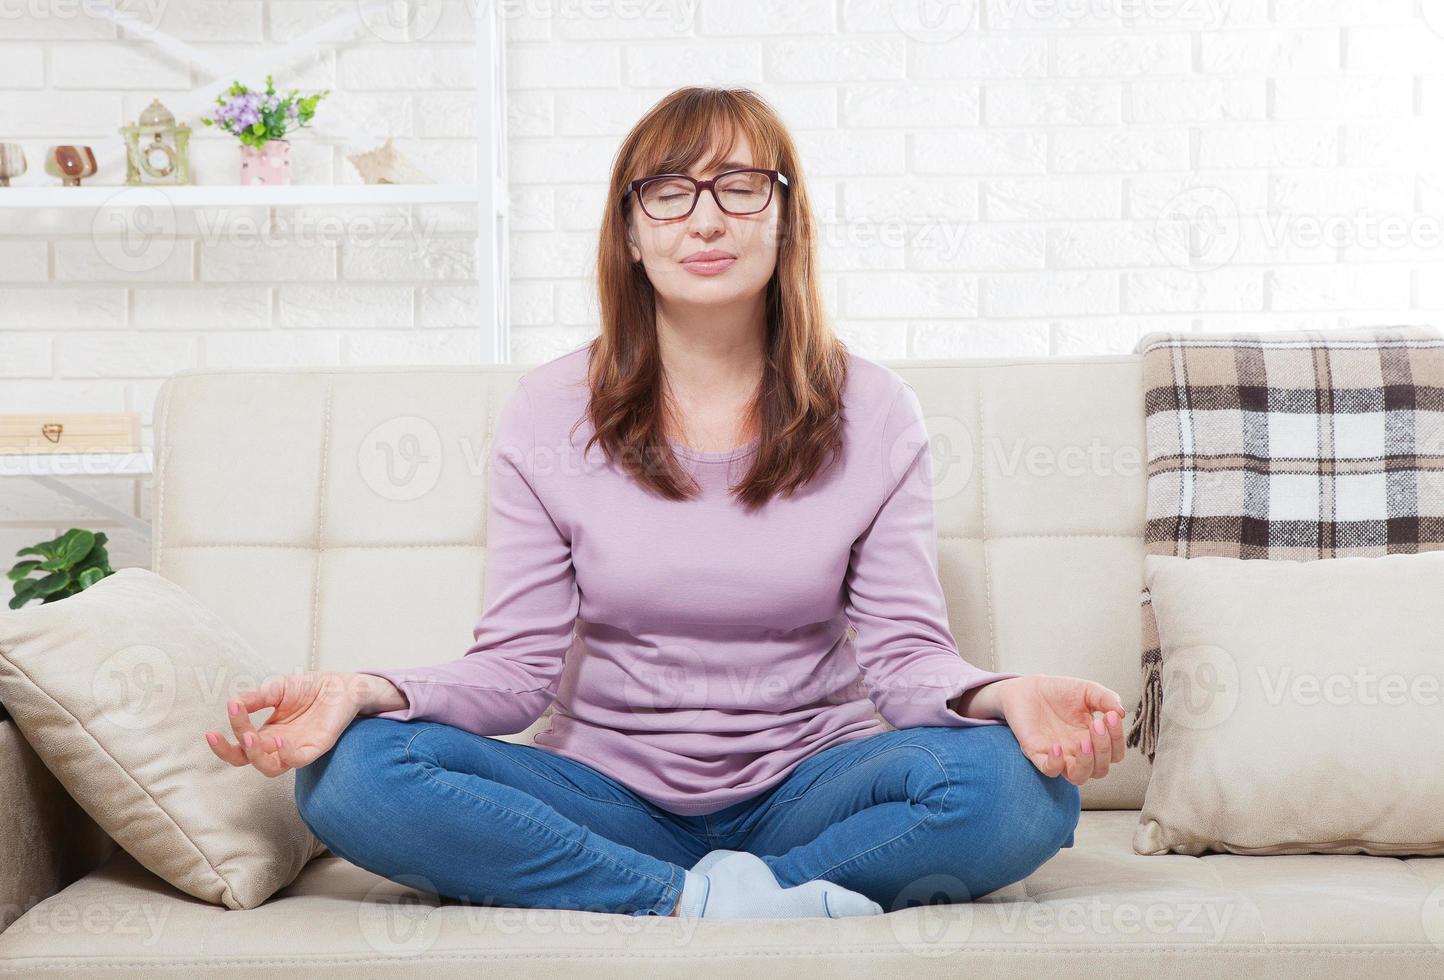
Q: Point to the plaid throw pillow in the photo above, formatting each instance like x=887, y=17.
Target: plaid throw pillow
x=1288, y=445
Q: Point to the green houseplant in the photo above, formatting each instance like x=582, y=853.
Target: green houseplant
x=74, y=561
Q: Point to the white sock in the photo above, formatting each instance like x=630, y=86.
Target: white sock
x=739, y=885
x=710, y=858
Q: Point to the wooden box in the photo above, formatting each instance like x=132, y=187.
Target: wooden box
x=71, y=432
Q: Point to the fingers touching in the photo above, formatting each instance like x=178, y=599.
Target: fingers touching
x=1100, y=698
x=226, y=749
x=1080, y=766
x=251, y=748
x=1113, y=723
x=1087, y=753
x=1049, y=763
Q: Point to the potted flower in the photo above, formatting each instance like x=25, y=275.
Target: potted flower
x=261, y=121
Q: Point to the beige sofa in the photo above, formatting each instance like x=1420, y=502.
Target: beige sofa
x=284, y=500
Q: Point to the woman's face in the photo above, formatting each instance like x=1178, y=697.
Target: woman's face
x=671, y=251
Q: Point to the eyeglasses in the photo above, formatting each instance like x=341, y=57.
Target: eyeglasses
x=739, y=192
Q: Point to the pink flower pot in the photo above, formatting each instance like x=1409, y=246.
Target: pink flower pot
x=269, y=165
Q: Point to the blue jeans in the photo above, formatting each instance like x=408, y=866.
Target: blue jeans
x=906, y=817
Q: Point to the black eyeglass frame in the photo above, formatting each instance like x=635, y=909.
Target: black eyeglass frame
x=774, y=178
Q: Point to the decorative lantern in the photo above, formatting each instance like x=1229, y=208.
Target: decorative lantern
x=165, y=159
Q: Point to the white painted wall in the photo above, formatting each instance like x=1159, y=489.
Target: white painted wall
x=1020, y=176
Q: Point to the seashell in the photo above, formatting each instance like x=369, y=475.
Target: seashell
x=386, y=165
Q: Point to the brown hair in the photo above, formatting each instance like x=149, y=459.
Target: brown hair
x=797, y=410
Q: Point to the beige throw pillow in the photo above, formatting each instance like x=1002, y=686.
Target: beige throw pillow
x=1301, y=706
x=114, y=688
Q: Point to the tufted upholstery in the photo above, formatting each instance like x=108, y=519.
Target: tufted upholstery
x=353, y=506
x=337, y=519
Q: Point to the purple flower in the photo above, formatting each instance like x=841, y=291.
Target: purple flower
x=239, y=112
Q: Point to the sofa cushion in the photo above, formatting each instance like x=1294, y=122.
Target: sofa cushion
x=114, y=688
x=1300, y=708
x=1096, y=903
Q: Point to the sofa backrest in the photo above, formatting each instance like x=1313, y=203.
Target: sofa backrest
x=336, y=517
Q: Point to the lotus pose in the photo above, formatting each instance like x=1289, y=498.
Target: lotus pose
x=712, y=549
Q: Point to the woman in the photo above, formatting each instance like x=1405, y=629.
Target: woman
x=710, y=597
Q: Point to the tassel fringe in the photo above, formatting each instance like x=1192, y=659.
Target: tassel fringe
x=1144, y=731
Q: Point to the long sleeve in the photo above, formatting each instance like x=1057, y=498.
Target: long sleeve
x=895, y=600
x=509, y=675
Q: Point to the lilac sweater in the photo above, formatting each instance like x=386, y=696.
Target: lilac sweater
x=697, y=653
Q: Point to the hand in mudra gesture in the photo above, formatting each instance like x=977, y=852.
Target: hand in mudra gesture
x=311, y=711
x=1052, y=717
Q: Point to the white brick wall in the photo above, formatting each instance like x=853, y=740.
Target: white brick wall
x=1019, y=176
x=1026, y=176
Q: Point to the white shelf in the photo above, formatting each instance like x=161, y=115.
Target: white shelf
x=75, y=464
x=291, y=195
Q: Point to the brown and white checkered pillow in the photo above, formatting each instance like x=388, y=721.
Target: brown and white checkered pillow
x=1288, y=445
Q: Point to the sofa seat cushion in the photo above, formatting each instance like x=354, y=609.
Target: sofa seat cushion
x=1179, y=916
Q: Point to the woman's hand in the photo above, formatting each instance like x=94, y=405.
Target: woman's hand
x=1052, y=717
x=312, y=710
